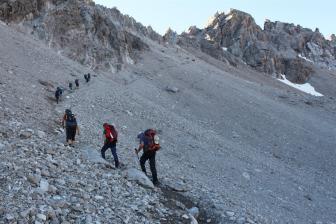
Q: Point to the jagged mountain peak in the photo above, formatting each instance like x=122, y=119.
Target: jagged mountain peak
x=91, y=34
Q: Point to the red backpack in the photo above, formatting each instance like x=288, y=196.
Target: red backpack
x=111, y=133
x=151, y=140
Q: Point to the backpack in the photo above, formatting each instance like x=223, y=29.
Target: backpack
x=151, y=140
x=70, y=120
x=111, y=133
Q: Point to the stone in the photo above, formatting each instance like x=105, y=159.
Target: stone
x=41, y=217
x=185, y=216
x=246, y=176
x=41, y=134
x=9, y=217
x=172, y=89
x=229, y=213
x=2, y=146
x=194, y=211
x=138, y=176
x=25, y=134
x=44, y=185
x=34, y=179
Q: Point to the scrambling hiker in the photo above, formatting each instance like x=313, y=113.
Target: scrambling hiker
x=111, y=139
x=69, y=122
x=149, y=143
x=77, y=83
x=70, y=85
x=58, y=94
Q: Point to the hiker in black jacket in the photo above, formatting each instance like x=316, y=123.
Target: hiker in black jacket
x=149, y=143
x=69, y=122
x=58, y=94
x=77, y=83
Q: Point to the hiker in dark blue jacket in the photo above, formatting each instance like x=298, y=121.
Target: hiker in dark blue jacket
x=149, y=143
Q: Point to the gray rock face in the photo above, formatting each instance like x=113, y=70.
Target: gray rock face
x=90, y=34
x=279, y=48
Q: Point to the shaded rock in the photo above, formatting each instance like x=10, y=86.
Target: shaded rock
x=34, y=179
x=194, y=211
x=172, y=89
x=25, y=134
x=41, y=134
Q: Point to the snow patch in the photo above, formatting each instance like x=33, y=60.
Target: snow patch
x=307, y=88
x=210, y=21
x=207, y=36
x=229, y=17
x=224, y=48
x=304, y=58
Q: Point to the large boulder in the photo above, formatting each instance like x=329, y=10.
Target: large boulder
x=139, y=177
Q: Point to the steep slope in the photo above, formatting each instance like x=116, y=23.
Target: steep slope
x=279, y=48
x=41, y=180
x=241, y=144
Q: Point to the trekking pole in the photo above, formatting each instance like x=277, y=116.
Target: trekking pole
x=136, y=153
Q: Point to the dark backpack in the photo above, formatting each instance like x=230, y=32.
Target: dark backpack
x=70, y=120
x=111, y=133
x=151, y=140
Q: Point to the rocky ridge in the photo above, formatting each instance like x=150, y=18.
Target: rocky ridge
x=93, y=35
x=279, y=48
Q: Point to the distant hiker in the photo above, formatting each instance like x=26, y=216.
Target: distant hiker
x=69, y=122
x=149, y=143
x=89, y=77
x=70, y=85
x=111, y=139
x=86, y=78
x=58, y=94
x=77, y=83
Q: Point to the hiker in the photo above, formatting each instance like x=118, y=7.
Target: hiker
x=70, y=85
x=149, y=143
x=111, y=139
x=69, y=122
x=77, y=83
x=88, y=77
x=58, y=94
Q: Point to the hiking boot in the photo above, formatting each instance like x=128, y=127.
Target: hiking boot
x=156, y=183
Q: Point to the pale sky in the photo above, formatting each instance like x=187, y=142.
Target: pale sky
x=180, y=14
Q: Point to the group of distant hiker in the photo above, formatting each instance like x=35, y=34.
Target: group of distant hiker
x=148, y=142
x=59, y=90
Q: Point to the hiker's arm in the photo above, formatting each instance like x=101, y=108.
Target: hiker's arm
x=140, y=148
x=77, y=129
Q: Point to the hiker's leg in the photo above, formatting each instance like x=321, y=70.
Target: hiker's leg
x=115, y=156
x=103, y=150
x=143, y=159
x=67, y=133
x=153, y=167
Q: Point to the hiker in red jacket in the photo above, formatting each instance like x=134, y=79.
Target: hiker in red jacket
x=111, y=139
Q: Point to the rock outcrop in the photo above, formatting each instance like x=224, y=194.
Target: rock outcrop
x=279, y=48
x=90, y=34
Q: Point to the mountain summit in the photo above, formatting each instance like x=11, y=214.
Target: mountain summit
x=279, y=48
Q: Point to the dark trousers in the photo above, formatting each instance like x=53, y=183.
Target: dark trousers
x=113, y=148
x=151, y=157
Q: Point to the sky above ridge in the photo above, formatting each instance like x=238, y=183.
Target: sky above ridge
x=180, y=14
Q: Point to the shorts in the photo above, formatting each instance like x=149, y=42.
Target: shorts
x=71, y=133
